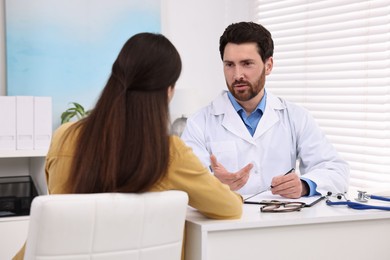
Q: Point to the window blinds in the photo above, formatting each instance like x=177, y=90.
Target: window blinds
x=333, y=57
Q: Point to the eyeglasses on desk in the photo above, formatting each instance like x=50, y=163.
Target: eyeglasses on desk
x=281, y=206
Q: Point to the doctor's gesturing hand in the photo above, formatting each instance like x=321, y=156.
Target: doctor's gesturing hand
x=289, y=185
x=234, y=180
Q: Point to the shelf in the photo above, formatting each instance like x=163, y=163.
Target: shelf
x=14, y=218
x=23, y=153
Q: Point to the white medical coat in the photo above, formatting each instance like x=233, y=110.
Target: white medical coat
x=285, y=135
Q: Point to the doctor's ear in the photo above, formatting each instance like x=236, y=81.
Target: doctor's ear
x=269, y=64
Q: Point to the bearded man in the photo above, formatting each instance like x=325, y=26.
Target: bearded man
x=250, y=138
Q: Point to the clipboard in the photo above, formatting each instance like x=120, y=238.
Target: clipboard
x=267, y=196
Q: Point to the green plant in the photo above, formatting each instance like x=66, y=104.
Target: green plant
x=77, y=111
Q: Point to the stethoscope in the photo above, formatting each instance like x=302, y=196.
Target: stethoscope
x=362, y=198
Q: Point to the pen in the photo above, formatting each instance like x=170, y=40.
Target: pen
x=267, y=189
x=290, y=171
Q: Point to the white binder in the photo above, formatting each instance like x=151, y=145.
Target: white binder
x=24, y=122
x=42, y=122
x=7, y=123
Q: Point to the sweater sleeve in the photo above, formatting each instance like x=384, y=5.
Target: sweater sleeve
x=206, y=193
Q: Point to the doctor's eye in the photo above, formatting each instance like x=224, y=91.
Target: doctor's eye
x=228, y=64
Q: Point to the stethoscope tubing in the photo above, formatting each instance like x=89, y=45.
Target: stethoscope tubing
x=374, y=197
x=356, y=205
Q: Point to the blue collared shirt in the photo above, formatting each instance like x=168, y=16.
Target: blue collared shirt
x=253, y=119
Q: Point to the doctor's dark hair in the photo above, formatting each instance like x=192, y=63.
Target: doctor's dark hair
x=123, y=145
x=245, y=32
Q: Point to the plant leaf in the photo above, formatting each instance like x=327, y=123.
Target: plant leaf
x=66, y=116
x=77, y=111
x=79, y=107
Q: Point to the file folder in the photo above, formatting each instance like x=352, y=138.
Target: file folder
x=42, y=122
x=7, y=123
x=24, y=122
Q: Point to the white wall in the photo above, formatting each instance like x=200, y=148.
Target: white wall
x=194, y=27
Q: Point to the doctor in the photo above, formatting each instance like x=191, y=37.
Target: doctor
x=251, y=138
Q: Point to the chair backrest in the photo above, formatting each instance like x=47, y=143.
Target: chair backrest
x=107, y=226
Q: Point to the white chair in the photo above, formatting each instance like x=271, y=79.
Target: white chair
x=107, y=226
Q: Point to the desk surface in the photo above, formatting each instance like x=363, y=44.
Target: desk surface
x=326, y=232
x=320, y=213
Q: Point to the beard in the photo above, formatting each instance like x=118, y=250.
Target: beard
x=251, y=91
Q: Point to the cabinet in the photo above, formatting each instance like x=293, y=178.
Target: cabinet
x=13, y=230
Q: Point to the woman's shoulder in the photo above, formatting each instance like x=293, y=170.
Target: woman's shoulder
x=178, y=149
x=57, y=142
x=177, y=144
x=62, y=128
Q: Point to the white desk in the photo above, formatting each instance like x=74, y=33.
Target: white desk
x=320, y=232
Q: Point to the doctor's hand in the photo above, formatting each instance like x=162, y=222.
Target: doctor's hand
x=289, y=186
x=234, y=180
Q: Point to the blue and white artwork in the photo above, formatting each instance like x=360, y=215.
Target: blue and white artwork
x=65, y=48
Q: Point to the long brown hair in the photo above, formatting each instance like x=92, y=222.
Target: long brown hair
x=123, y=145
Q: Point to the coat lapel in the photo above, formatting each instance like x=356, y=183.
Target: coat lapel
x=231, y=120
x=270, y=116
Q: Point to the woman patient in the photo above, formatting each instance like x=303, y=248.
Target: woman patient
x=124, y=144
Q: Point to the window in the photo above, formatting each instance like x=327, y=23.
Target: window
x=333, y=57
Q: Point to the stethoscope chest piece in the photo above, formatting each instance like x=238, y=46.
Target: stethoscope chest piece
x=362, y=196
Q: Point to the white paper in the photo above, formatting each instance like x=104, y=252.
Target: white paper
x=269, y=196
